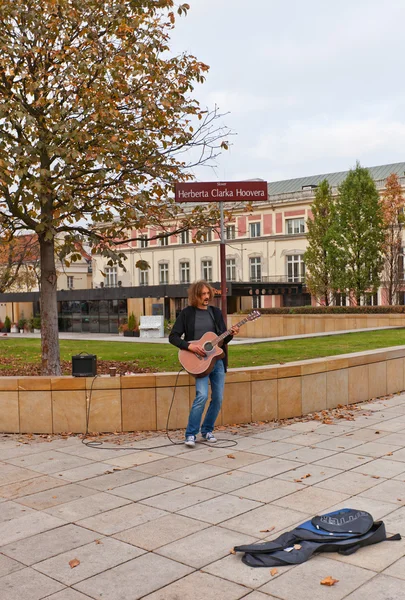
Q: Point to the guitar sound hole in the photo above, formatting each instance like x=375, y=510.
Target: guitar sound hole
x=208, y=346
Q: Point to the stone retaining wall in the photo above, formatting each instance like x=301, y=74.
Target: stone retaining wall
x=281, y=325
x=141, y=402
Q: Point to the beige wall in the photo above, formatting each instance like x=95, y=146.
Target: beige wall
x=141, y=402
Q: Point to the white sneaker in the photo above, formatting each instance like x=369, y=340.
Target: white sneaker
x=209, y=437
x=190, y=441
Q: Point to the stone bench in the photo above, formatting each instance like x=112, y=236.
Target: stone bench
x=152, y=327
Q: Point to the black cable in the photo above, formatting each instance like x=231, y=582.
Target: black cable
x=100, y=445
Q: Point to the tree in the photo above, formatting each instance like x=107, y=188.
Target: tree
x=17, y=257
x=97, y=122
x=358, y=234
x=319, y=255
x=392, y=201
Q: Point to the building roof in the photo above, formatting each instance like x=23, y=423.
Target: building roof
x=296, y=185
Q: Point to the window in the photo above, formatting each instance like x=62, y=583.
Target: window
x=255, y=269
x=295, y=225
x=70, y=282
x=184, y=237
x=208, y=235
x=254, y=229
x=185, y=272
x=230, y=232
x=143, y=241
x=371, y=299
x=164, y=273
x=164, y=241
x=257, y=301
x=230, y=269
x=111, y=277
x=206, y=270
x=143, y=277
x=295, y=268
x=401, y=265
x=341, y=300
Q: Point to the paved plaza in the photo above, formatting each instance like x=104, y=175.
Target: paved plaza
x=79, y=523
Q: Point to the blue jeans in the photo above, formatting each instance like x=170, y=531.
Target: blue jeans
x=217, y=379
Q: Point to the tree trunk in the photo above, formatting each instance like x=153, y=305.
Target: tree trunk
x=49, y=309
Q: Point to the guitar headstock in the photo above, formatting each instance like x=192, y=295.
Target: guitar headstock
x=255, y=314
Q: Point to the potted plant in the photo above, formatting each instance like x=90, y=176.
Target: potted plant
x=21, y=324
x=7, y=325
x=36, y=324
x=14, y=328
x=123, y=326
x=132, y=329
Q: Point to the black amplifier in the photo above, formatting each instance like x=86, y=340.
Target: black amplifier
x=84, y=365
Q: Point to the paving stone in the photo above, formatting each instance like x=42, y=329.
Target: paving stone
x=220, y=509
x=134, y=459
x=271, y=467
x=200, y=586
x=376, y=508
x=268, y=490
x=343, y=460
x=57, y=465
x=24, y=527
x=376, y=558
x=50, y=543
x=312, y=500
x=8, y=565
x=87, y=507
x=256, y=521
x=204, y=547
x=147, y=488
x=382, y=467
x=398, y=455
x=234, y=460
x=69, y=594
x=291, y=584
x=134, y=579
x=375, y=449
x=304, y=426
x=230, y=481
x=53, y=497
x=257, y=596
x=338, y=429
x=395, y=521
x=349, y=483
x=338, y=443
x=273, y=449
x=368, y=434
x=231, y=567
x=30, y=486
x=248, y=443
x=27, y=584
x=79, y=474
x=195, y=473
x=180, y=498
x=397, y=569
x=307, y=439
x=12, y=510
x=393, y=426
x=316, y=473
x=122, y=518
x=29, y=460
x=114, y=480
x=11, y=474
x=158, y=467
x=204, y=453
x=276, y=433
x=94, y=558
x=161, y=531
x=397, y=439
x=388, y=491
x=308, y=454
x=381, y=587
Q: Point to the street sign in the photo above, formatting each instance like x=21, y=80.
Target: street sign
x=221, y=191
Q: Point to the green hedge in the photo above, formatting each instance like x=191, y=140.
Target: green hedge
x=334, y=310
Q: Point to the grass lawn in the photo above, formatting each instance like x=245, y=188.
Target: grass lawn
x=18, y=353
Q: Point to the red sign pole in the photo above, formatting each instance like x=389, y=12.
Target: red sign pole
x=222, y=255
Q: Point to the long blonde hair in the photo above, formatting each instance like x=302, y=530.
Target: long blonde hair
x=195, y=291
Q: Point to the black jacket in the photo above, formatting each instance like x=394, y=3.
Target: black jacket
x=184, y=325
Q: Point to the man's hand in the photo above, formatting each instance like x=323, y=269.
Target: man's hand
x=197, y=349
x=235, y=330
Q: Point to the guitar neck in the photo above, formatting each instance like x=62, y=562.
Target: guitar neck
x=228, y=332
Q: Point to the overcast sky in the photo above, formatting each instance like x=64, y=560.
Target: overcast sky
x=311, y=85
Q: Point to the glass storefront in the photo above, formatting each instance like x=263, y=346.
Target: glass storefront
x=91, y=316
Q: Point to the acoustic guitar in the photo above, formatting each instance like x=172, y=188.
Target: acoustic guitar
x=200, y=366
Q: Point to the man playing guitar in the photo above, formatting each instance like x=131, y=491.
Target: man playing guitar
x=193, y=322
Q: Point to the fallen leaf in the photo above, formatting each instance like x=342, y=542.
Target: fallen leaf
x=389, y=454
x=74, y=563
x=273, y=572
x=232, y=551
x=98, y=541
x=268, y=530
x=329, y=581
x=230, y=456
x=305, y=476
x=298, y=480
x=375, y=476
